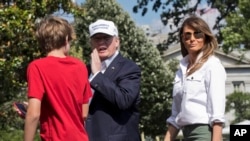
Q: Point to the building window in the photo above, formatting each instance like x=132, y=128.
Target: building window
x=239, y=86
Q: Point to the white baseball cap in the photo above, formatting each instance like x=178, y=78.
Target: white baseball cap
x=103, y=26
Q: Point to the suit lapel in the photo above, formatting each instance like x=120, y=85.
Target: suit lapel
x=114, y=66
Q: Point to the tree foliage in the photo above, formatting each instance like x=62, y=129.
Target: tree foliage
x=156, y=79
x=173, y=11
x=237, y=32
x=16, y=39
x=240, y=103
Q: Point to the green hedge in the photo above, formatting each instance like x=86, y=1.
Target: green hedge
x=14, y=135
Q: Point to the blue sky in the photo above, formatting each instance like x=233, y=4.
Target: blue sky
x=150, y=18
x=153, y=19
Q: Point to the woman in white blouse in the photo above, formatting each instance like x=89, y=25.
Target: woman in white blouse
x=199, y=86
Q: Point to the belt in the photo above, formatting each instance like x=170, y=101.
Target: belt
x=192, y=126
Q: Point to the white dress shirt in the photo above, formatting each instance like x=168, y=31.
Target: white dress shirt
x=200, y=97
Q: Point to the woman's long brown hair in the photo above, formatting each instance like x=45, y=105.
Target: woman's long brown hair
x=210, y=42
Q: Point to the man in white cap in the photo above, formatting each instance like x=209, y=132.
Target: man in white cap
x=115, y=80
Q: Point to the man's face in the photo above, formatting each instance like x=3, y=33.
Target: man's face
x=106, y=45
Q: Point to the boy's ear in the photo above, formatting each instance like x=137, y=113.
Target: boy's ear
x=66, y=39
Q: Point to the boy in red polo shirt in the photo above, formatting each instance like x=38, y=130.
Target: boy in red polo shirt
x=58, y=86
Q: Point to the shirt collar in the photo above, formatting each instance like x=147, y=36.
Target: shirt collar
x=110, y=59
x=184, y=62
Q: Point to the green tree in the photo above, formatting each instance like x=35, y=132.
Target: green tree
x=17, y=47
x=240, y=103
x=173, y=11
x=236, y=34
x=156, y=80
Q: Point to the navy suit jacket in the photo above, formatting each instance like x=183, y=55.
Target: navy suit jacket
x=113, y=112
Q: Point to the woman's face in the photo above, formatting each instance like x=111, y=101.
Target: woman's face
x=193, y=40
